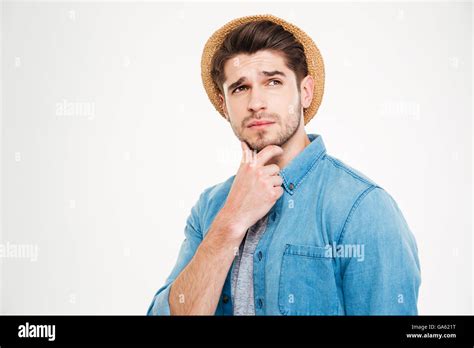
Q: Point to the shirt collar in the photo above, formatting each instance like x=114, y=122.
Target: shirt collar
x=294, y=172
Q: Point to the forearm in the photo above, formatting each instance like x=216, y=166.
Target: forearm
x=255, y=189
x=198, y=287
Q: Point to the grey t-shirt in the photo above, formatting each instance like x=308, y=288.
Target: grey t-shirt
x=242, y=274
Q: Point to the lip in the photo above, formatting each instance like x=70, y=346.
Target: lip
x=260, y=124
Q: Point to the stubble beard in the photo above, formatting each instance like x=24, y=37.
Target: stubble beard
x=265, y=137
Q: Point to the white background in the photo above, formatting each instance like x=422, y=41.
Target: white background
x=105, y=194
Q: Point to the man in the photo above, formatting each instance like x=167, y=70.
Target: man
x=295, y=231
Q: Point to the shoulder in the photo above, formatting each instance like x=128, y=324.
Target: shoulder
x=344, y=185
x=342, y=171
x=358, y=206
x=376, y=218
x=343, y=189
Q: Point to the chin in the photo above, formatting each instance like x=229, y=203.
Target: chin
x=260, y=143
x=262, y=138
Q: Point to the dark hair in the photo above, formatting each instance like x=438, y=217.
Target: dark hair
x=255, y=36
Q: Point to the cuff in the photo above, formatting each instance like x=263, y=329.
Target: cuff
x=160, y=304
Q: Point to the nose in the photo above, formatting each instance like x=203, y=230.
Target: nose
x=256, y=101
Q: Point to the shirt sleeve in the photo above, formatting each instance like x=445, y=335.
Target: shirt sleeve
x=193, y=237
x=386, y=279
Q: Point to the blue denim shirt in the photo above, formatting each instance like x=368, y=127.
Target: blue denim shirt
x=336, y=243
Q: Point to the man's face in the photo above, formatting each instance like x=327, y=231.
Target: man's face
x=262, y=102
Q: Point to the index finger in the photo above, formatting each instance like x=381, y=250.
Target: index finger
x=268, y=153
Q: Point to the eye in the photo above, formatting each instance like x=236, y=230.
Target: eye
x=276, y=81
x=238, y=89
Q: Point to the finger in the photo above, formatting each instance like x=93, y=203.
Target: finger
x=270, y=169
x=244, y=146
x=246, y=152
x=276, y=180
x=268, y=153
x=279, y=191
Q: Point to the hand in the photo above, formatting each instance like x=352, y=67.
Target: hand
x=255, y=189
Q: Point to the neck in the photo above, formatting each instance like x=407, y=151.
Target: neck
x=291, y=149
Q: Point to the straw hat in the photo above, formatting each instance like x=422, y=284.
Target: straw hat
x=313, y=58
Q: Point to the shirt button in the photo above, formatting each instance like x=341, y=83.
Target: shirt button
x=260, y=303
x=225, y=298
x=273, y=217
x=260, y=255
x=292, y=186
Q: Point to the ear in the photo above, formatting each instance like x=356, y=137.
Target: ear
x=224, y=107
x=307, y=88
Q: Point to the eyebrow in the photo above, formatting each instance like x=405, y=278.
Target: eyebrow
x=243, y=78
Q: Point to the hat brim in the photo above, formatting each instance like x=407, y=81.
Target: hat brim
x=313, y=58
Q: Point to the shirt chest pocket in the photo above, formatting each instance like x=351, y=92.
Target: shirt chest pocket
x=307, y=283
